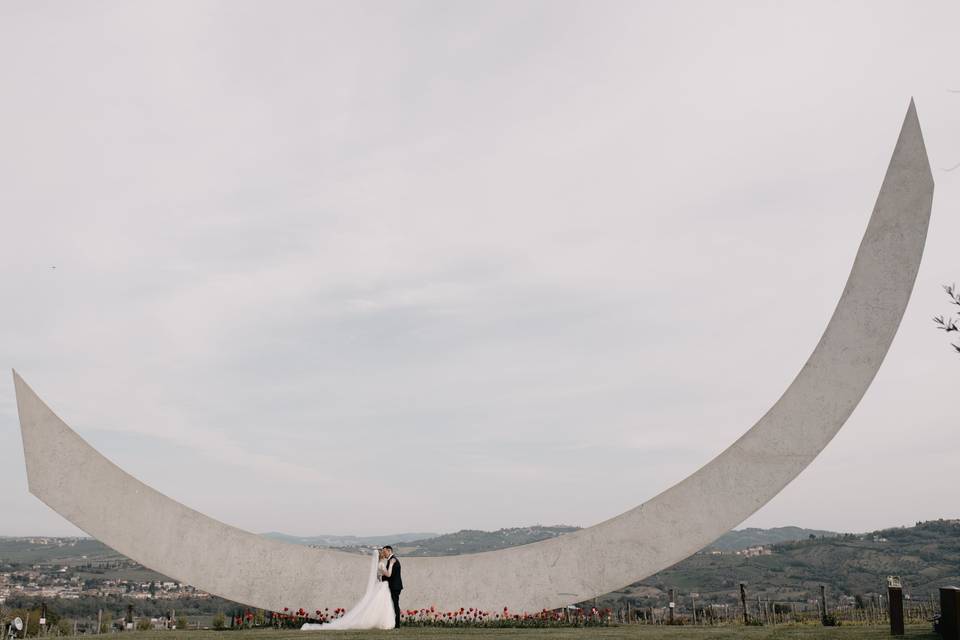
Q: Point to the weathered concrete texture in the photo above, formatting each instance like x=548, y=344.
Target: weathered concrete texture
x=164, y=535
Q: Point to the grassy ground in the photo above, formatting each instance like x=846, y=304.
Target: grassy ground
x=629, y=632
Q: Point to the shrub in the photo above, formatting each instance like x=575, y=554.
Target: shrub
x=64, y=627
x=219, y=621
x=105, y=622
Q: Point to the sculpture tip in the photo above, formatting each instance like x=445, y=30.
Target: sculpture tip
x=18, y=382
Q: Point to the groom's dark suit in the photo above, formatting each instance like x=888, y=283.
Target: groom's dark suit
x=396, y=586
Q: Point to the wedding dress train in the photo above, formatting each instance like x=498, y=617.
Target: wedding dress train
x=374, y=611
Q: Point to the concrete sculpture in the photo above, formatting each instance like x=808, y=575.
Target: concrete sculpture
x=100, y=498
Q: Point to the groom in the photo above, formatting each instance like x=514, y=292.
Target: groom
x=392, y=576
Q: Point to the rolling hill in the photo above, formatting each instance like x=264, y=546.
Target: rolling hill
x=790, y=567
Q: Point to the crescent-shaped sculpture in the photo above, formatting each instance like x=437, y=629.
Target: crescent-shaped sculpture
x=100, y=498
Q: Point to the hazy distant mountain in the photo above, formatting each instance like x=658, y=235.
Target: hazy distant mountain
x=348, y=541
x=753, y=537
x=475, y=541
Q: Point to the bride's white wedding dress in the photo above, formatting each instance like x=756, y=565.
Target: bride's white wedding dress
x=374, y=611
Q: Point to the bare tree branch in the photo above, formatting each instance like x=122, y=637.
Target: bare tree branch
x=951, y=290
x=949, y=324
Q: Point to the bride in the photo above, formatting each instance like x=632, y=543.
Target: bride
x=375, y=609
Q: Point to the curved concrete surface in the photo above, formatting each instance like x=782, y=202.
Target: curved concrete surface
x=100, y=498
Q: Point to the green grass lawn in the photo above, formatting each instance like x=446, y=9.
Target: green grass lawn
x=626, y=632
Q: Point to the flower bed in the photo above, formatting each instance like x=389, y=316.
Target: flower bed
x=287, y=619
x=432, y=617
x=473, y=617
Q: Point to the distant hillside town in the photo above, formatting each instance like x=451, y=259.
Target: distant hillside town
x=73, y=573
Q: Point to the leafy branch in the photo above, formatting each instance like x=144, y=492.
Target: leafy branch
x=949, y=324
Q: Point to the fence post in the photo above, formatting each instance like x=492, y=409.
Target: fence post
x=743, y=601
x=949, y=626
x=823, y=605
x=895, y=605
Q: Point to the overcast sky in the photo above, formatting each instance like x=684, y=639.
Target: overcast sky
x=422, y=266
